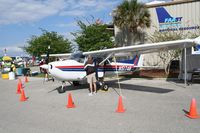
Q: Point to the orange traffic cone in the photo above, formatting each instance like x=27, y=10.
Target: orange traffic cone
x=26, y=79
x=70, y=102
x=120, y=108
x=23, y=97
x=193, y=111
x=19, y=86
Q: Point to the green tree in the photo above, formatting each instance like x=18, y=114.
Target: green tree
x=194, y=34
x=38, y=45
x=94, y=36
x=131, y=18
x=167, y=56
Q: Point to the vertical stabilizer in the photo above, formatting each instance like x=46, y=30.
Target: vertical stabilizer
x=140, y=61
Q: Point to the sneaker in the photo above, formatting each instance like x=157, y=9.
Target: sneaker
x=94, y=93
x=90, y=94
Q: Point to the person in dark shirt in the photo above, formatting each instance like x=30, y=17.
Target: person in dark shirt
x=42, y=70
x=91, y=77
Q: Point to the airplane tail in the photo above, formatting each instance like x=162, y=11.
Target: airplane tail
x=162, y=14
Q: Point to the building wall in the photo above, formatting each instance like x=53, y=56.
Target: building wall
x=190, y=23
x=186, y=14
x=188, y=11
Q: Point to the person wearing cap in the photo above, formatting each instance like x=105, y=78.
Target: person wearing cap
x=90, y=69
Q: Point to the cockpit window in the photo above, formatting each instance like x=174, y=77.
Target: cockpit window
x=79, y=57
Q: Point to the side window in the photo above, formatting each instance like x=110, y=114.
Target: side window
x=80, y=60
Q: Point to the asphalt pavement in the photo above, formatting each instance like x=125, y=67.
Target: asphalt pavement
x=151, y=106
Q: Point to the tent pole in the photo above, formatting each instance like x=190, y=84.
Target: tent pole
x=185, y=68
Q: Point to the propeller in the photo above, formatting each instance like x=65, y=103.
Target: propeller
x=45, y=66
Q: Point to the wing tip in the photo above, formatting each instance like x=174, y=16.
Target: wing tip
x=197, y=40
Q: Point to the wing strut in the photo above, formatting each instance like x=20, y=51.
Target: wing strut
x=106, y=58
x=120, y=90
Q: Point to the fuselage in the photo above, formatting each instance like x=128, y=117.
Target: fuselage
x=72, y=70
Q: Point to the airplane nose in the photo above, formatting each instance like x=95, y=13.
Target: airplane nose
x=45, y=66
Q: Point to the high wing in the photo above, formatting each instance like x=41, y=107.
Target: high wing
x=143, y=48
x=149, y=48
x=58, y=55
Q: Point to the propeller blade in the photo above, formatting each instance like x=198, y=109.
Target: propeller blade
x=45, y=66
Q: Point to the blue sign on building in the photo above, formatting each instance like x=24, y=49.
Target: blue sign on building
x=171, y=23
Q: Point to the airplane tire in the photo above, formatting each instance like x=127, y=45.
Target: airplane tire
x=105, y=87
x=61, y=90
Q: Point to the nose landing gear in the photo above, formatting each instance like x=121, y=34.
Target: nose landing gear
x=62, y=88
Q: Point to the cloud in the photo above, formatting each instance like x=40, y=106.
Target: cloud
x=12, y=51
x=15, y=11
x=67, y=35
x=73, y=13
x=64, y=25
x=24, y=11
x=146, y=1
x=84, y=7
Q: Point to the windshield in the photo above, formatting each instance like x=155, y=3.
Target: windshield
x=78, y=57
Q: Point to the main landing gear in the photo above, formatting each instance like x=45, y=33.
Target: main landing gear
x=103, y=86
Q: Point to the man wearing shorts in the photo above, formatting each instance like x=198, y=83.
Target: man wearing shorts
x=91, y=77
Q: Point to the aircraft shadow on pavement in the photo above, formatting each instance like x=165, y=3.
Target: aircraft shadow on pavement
x=113, y=84
x=69, y=88
x=150, y=89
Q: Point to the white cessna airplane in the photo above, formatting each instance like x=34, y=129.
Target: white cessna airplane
x=72, y=69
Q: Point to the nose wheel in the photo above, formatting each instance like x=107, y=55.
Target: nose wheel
x=62, y=88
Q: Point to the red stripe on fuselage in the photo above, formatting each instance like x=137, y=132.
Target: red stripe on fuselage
x=109, y=66
x=69, y=66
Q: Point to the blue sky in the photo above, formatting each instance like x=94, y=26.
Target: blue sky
x=20, y=19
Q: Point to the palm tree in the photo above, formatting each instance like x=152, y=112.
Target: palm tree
x=131, y=18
